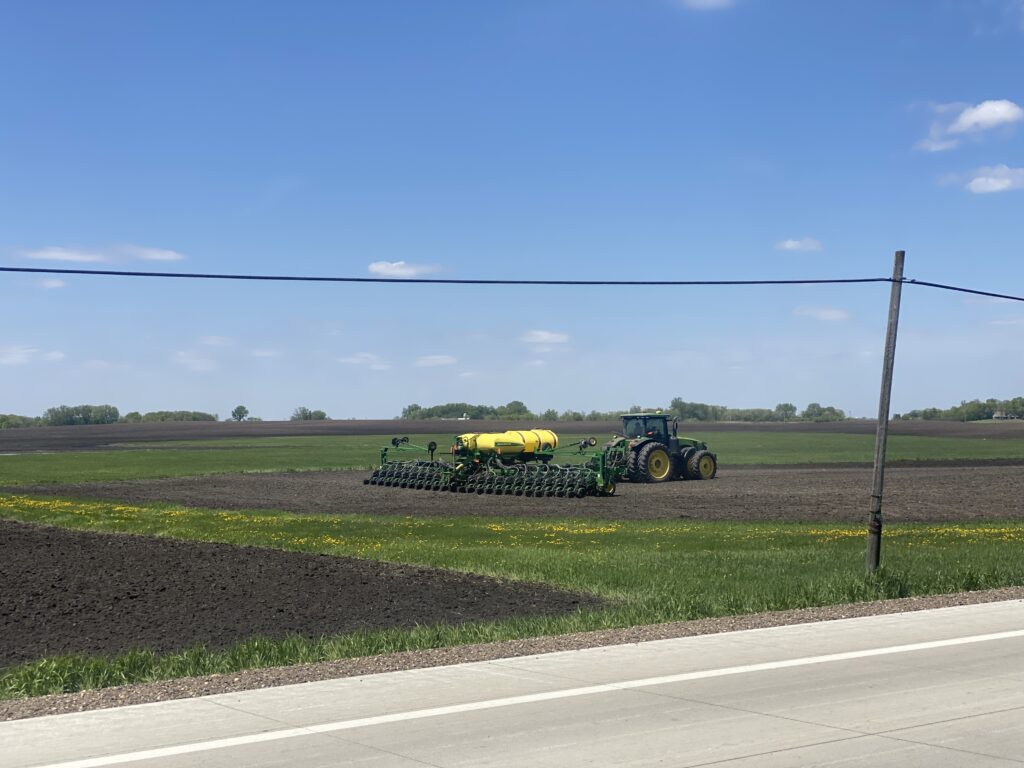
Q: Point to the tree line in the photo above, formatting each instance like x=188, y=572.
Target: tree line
x=972, y=410
x=70, y=415
x=516, y=410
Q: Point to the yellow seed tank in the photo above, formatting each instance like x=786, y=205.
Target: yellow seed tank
x=511, y=443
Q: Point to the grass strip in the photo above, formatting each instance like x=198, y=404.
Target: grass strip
x=650, y=571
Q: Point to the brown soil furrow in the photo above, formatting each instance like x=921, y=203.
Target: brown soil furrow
x=912, y=494
x=64, y=591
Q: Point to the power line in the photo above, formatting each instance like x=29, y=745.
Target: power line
x=965, y=290
x=427, y=280
x=461, y=281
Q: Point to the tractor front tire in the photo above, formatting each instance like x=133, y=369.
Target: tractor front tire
x=701, y=466
x=632, y=473
x=653, y=464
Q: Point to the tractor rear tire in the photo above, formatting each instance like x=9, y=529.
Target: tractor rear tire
x=653, y=463
x=701, y=466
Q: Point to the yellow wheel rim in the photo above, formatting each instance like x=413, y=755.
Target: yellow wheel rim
x=658, y=464
x=706, y=466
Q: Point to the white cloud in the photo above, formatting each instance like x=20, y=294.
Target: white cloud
x=25, y=355
x=193, y=361
x=706, y=5
x=431, y=361
x=469, y=374
x=997, y=178
x=936, y=142
x=945, y=131
x=536, y=363
x=367, y=360
x=1009, y=321
x=265, y=353
x=55, y=253
x=51, y=283
x=987, y=115
x=216, y=341
x=16, y=355
x=825, y=314
x=151, y=254
x=65, y=254
x=399, y=269
x=544, y=337
x=803, y=244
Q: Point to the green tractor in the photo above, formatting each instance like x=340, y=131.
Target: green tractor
x=649, y=452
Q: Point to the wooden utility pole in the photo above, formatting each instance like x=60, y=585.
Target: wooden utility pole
x=874, y=551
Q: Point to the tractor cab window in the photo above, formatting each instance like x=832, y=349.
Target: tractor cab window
x=656, y=429
x=633, y=428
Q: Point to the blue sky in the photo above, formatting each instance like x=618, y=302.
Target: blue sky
x=618, y=139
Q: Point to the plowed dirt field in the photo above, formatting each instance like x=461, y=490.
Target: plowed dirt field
x=107, y=436
x=947, y=493
x=67, y=591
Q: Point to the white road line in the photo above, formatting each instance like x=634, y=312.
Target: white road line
x=418, y=714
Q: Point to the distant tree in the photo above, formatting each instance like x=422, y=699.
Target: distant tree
x=514, y=410
x=14, y=421
x=240, y=413
x=785, y=411
x=549, y=415
x=697, y=411
x=303, y=413
x=132, y=417
x=66, y=415
x=412, y=411
x=818, y=412
x=812, y=412
x=103, y=414
x=178, y=416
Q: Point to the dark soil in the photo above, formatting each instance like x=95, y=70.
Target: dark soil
x=65, y=591
x=919, y=493
x=106, y=436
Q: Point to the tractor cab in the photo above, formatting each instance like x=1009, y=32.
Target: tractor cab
x=637, y=426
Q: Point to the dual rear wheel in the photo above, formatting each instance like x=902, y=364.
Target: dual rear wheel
x=653, y=464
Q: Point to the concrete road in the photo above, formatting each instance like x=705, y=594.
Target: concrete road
x=934, y=688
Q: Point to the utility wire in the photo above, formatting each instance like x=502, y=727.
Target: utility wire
x=429, y=280
x=454, y=281
x=964, y=290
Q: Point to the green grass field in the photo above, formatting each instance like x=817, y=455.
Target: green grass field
x=648, y=571
x=362, y=452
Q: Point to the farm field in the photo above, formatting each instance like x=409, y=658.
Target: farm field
x=457, y=568
x=736, y=448
x=100, y=436
x=751, y=494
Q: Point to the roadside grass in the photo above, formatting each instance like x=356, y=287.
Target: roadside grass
x=649, y=572
x=271, y=454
